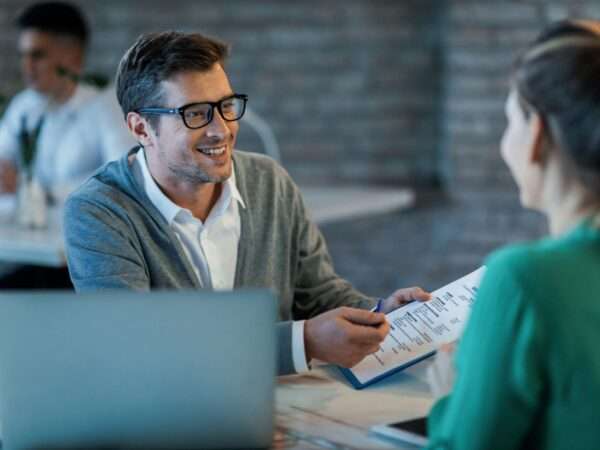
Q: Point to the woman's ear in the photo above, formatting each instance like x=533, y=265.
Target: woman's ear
x=538, y=139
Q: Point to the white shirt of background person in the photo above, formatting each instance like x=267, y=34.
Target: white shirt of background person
x=98, y=135
x=57, y=118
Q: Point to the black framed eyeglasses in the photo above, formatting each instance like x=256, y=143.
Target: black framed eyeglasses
x=198, y=115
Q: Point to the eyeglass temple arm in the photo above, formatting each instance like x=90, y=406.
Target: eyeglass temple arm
x=159, y=110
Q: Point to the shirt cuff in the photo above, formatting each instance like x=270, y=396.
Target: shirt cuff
x=298, y=350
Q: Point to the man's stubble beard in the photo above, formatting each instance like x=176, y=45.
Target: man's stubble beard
x=195, y=175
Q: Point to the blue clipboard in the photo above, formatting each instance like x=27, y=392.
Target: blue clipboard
x=358, y=385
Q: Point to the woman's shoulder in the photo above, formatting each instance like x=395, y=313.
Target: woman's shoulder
x=540, y=255
x=515, y=258
x=550, y=270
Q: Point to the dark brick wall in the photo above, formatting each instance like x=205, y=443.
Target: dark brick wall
x=350, y=87
x=482, y=39
x=450, y=234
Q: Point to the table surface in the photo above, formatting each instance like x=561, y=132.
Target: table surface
x=44, y=246
x=322, y=410
x=329, y=204
x=325, y=204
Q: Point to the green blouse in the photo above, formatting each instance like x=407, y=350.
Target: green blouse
x=528, y=365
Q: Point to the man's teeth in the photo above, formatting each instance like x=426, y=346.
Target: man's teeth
x=213, y=151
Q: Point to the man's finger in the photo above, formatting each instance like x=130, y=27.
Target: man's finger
x=373, y=349
x=409, y=294
x=362, y=335
x=363, y=317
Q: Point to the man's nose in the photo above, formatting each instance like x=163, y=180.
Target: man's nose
x=217, y=126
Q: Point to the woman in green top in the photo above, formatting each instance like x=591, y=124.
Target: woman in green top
x=528, y=365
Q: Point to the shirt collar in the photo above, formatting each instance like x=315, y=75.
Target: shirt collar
x=83, y=94
x=231, y=182
x=165, y=205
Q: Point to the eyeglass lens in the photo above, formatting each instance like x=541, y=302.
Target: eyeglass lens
x=199, y=114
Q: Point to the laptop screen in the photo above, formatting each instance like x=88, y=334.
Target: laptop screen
x=155, y=369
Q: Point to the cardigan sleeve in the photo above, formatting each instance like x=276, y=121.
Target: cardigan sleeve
x=500, y=375
x=101, y=252
x=318, y=287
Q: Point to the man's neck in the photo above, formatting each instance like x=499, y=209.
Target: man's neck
x=199, y=199
x=64, y=93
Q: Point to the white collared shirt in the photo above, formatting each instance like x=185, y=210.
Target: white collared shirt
x=212, y=246
x=58, y=118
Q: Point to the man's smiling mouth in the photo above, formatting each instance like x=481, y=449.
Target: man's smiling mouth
x=212, y=151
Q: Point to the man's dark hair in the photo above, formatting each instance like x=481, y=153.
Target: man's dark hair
x=55, y=17
x=157, y=57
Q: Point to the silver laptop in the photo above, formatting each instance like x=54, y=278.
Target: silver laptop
x=137, y=370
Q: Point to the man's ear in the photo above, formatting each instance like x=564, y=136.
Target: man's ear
x=140, y=128
x=538, y=139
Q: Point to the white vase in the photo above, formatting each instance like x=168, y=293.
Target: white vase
x=32, y=210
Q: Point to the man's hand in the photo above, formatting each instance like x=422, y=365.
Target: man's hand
x=8, y=177
x=403, y=296
x=344, y=336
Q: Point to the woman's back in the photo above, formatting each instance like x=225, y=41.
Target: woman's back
x=528, y=365
x=565, y=297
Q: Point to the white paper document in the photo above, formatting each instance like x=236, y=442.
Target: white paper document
x=419, y=328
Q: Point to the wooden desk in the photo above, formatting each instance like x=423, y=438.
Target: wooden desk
x=321, y=410
x=326, y=204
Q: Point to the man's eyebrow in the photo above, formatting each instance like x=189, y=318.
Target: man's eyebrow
x=216, y=101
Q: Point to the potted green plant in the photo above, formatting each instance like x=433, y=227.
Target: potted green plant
x=31, y=198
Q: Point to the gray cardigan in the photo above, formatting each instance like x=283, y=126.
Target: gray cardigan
x=117, y=239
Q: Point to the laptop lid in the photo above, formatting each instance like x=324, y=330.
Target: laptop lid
x=137, y=370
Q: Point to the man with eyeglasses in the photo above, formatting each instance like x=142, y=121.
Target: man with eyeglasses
x=185, y=211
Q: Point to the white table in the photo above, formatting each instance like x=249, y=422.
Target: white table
x=43, y=247
x=321, y=410
x=333, y=203
x=326, y=204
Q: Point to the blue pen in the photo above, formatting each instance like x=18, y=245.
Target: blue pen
x=378, y=309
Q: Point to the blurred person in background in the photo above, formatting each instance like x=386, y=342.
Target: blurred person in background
x=528, y=366
x=52, y=41
x=100, y=133
x=51, y=111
